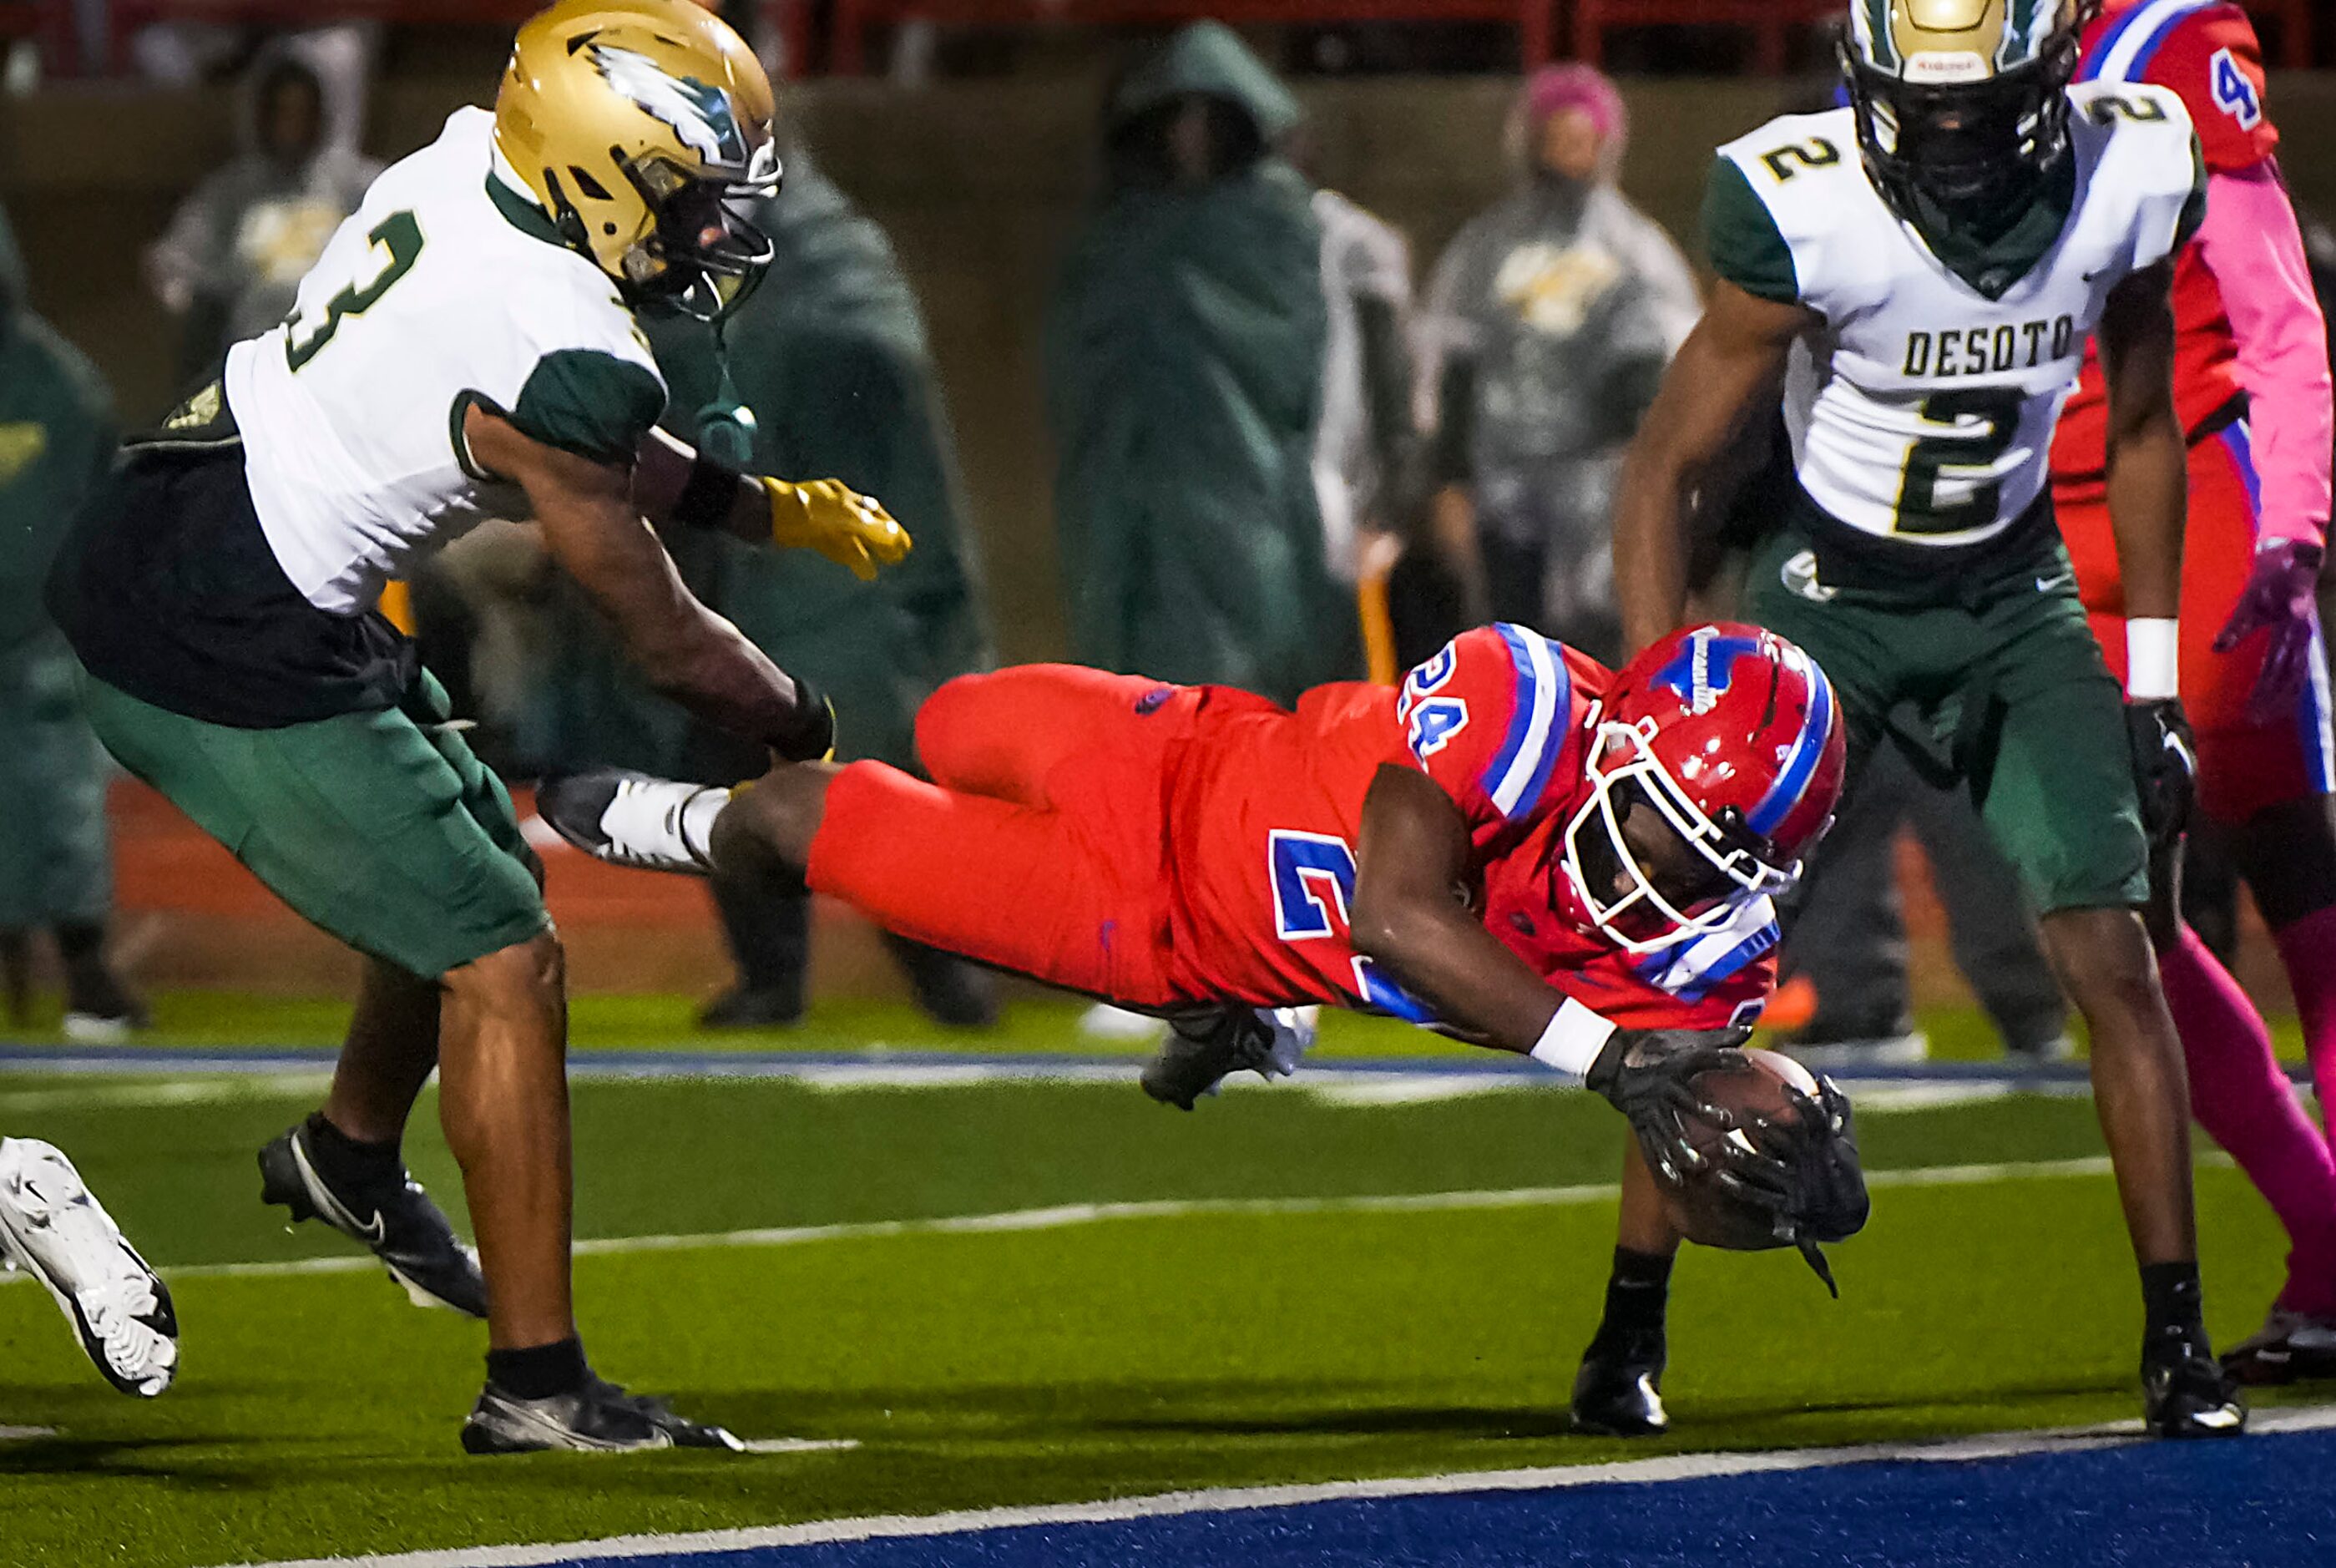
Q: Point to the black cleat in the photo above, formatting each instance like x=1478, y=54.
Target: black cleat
x=1617, y=1393
x=1205, y=1046
x=2185, y=1393
x=2290, y=1347
x=598, y=1418
x=402, y=1227
x=953, y=992
x=745, y=1007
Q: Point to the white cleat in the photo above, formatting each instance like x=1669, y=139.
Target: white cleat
x=629, y=819
x=54, y=1229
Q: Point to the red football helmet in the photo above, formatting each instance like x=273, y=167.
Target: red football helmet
x=1731, y=738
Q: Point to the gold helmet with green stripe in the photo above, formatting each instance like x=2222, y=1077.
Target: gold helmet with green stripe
x=642, y=127
x=1962, y=105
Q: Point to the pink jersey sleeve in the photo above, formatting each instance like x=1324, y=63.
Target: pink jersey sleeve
x=1490, y=718
x=2250, y=243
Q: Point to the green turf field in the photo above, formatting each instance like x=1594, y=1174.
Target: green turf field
x=1259, y=1317
x=1033, y=1022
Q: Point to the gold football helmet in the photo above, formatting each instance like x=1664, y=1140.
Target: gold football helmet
x=1963, y=102
x=643, y=127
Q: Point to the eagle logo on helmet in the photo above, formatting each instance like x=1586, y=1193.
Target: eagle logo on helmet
x=699, y=113
x=1703, y=669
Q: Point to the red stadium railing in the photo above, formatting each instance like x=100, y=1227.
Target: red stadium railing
x=1583, y=33
x=1534, y=20
x=788, y=18
x=1771, y=23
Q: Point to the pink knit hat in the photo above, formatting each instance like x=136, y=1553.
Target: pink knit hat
x=1553, y=88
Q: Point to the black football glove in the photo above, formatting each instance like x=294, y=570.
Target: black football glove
x=2165, y=767
x=1646, y=1074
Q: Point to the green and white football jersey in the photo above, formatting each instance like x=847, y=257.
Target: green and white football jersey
x=1922, y=410
x=447, y=287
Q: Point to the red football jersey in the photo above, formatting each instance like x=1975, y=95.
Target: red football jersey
x=2207, y=52
x=1269, y=807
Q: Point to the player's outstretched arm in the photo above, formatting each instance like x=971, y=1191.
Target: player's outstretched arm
x=1729, y=369
x=1408, y=916
x=595, y=531
x=673, y=482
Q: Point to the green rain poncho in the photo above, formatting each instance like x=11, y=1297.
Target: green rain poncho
x=56, y=438
x=1184, y=375
x=829, y=356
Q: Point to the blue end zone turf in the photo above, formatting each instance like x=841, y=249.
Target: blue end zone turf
x=2268, y=1500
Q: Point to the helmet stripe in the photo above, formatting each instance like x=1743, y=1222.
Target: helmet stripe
x=1801, y=762
x=2125, y=50
x=2021, y=42
x=1544, y=699
x=1879, y=44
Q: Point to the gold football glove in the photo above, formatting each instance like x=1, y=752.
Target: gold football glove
x=829, y=516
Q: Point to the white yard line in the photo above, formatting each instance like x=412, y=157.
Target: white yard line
x=169, y=1092
x=1228, y=1499
x=1062, y=1216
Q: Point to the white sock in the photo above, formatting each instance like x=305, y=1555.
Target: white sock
x=697, y=822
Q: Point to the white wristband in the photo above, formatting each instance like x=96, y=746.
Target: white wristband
x=1572, y=1040
x=2153, y=658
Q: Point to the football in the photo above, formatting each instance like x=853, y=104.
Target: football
x=1769, y=1088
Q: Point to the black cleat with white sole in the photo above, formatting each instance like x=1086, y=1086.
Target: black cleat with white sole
x=1617, y=1393
x=394, y=1218
x=598, y=1419
x=628, y=818
x=2185, y=1393
x=1205, y=1046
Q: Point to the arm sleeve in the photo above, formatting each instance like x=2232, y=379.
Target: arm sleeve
x=2251, y=245
x=1488, y=719
x=2214, y=60
x=593, y=403
x=1740, y=234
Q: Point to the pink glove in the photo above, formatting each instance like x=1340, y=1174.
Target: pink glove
x=2279, y=595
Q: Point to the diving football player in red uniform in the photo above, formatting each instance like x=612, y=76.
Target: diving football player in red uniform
x=2251, y=387
x=1516, y=845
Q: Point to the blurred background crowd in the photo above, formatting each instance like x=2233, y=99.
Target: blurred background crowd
x=1278, y=437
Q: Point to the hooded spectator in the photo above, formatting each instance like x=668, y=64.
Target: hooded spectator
x=231, y=261
x=56, y=438
x=1184, y=358
x=1550, y=320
